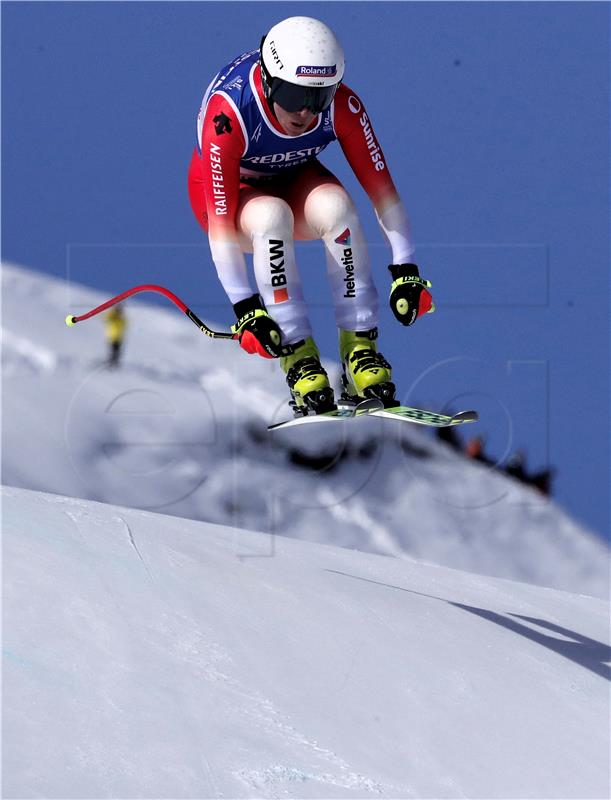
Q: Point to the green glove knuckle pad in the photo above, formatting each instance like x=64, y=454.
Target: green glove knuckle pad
x=405, y=292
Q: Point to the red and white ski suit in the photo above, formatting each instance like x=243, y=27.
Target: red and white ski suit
x=247, y=206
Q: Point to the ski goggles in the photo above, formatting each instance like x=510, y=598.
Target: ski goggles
x=292, y=97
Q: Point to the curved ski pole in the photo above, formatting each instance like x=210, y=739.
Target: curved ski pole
x=149, y=287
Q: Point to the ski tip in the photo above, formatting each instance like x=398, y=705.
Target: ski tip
x=70, y=321
x=466, y=416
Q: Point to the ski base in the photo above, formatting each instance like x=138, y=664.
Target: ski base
x=375, y=408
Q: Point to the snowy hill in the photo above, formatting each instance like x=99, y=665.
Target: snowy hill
x=150, y=656
x=181, y=429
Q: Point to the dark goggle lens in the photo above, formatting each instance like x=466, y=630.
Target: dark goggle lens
x=293, y=98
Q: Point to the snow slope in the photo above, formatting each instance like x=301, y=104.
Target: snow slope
x=182, y=429
x=150, y=656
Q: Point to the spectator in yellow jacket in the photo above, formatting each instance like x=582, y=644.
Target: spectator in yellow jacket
x=116, y=324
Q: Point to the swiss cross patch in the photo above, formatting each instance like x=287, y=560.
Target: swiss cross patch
x=281, y=295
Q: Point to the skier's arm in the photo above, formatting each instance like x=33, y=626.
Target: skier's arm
x=222, y=146
x=409, y=295
x=358, y=141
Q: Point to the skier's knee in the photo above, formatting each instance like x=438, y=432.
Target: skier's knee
x=267, y=216
x=328, y=208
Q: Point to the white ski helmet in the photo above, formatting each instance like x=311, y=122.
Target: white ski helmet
x=302, y=64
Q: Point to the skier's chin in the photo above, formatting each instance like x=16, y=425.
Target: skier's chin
x=294, y=129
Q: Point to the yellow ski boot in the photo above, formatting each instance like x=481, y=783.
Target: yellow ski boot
x=366, y=373
x=308, y=382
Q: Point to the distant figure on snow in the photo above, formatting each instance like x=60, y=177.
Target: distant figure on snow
x=475, y=449
x=541, y=480
x=116, y=324
x=515, y=466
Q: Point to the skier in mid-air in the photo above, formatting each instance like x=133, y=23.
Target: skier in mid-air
x=256, y=185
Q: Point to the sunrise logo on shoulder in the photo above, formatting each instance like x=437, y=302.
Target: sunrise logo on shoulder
x=354, y=104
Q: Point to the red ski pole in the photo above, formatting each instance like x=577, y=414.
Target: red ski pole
x=149, y=287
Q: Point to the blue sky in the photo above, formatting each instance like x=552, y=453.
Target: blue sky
x=494, y=119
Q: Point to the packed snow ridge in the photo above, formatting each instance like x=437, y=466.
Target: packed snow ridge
x=181, y=429
x=153, y=656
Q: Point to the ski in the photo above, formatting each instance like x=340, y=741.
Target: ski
x=420, y=416
x=375, y=408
